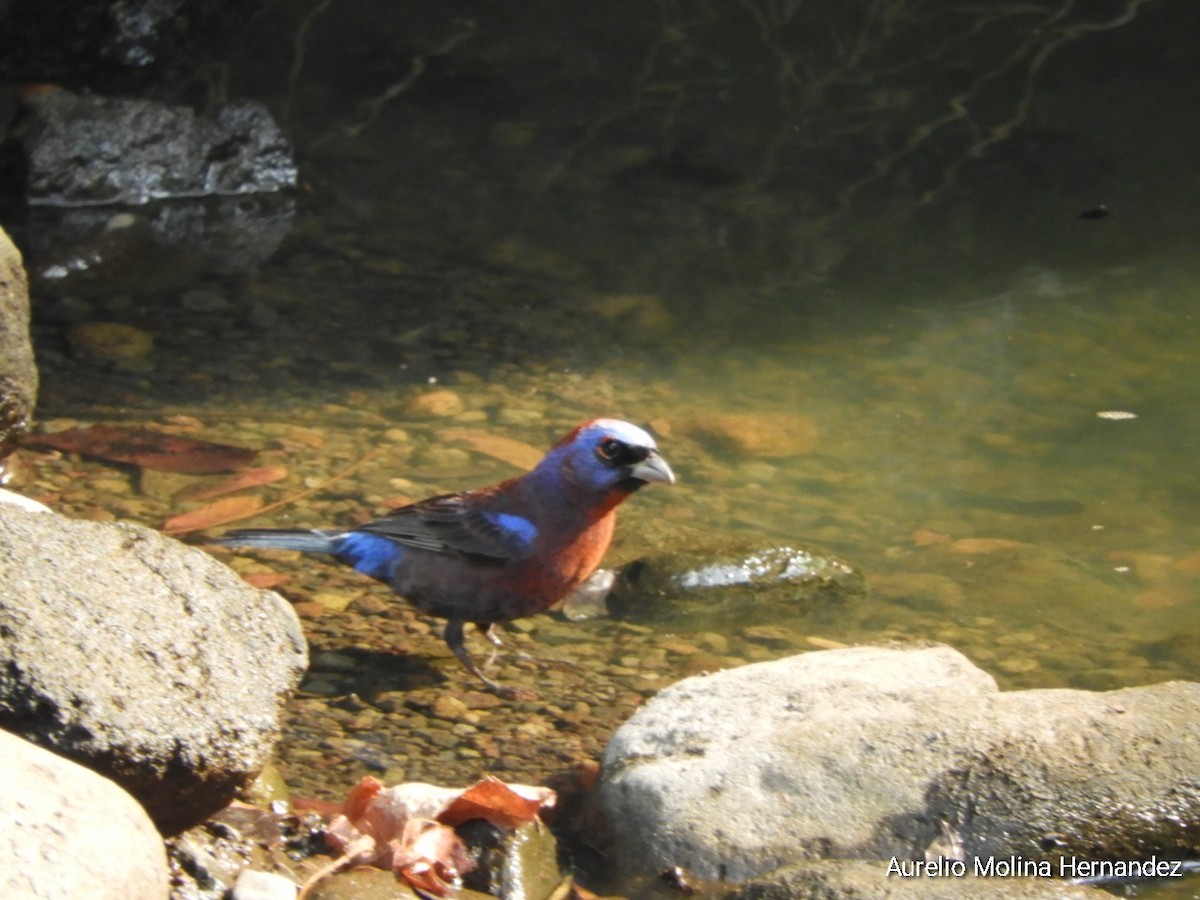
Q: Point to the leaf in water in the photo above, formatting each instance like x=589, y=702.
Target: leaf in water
x=246, y=478
x=149, y=449
x=515, y=453
x=266, y=581
x=219, y=512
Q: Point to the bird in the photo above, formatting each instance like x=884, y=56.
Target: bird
x=497, y=553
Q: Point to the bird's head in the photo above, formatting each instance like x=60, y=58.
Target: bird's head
x=608, y=455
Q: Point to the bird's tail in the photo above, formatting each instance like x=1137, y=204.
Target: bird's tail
x=306, y=540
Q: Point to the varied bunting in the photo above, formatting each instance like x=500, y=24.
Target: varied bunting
x=501, y=552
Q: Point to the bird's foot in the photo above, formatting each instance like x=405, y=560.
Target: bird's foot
x=508, y=692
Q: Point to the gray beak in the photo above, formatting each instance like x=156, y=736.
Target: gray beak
x=652, y=468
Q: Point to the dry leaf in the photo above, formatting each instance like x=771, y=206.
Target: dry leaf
x=220, y=512
x=246, y=478
x=149, y=449
x=508, y=450
x=410, y=825
x=505, y=806
x=266, y=581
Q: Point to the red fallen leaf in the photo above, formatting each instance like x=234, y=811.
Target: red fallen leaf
x=266, y=581
x=505, y=806
x=246, y=478
x=149, y=449
x=361, y=796
x=219, y=512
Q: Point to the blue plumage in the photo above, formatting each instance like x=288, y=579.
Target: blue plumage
x=500, y=552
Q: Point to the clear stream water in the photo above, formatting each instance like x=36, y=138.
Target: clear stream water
x=955, y=252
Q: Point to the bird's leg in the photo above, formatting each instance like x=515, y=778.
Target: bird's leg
x=488, y=629
x=453, y=636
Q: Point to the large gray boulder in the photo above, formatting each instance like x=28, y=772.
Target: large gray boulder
x=18, y=372
x=141, y=658
x=862, y=753
x=67, y=832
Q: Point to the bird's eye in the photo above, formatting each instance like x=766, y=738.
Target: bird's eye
x=609, y=449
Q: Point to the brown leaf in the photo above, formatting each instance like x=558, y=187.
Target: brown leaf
x=508, y=450
x=246, y=478
x=266, y=581
x=502, y=805
x=219, y=512
x=149, y=449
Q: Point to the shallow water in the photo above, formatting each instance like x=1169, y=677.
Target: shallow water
x=568, y=213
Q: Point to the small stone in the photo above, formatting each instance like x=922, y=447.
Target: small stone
x=713, y=641
x=771, y=435
x=771, y=635
x=1015, y=665
x=252, y=885
x=328, y=661
x=332, y=601
x=435, y=404
x=449, y=707
x=204, y=302
x=109, y=342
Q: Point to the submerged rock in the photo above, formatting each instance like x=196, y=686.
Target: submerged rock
x=863, y=753
x=83, y=150
x=142, y=659
x=726, y=588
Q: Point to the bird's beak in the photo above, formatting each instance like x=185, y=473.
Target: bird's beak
x=652, y=468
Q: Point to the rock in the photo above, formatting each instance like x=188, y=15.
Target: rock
x=729, y=585
x=161, y=249
x=253, y=885
x=518, y=865
x=82, y=149
x=860, y=753
x=142, y=659
x=67, y=832
x=104, y=43
x=109, y=342
x=840, y=879
x=752, y=434
x=437, y=404
x=18, y=372
x=23, y=502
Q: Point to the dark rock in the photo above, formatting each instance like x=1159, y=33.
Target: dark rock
x=67, y=832
x=18, y=373
x=102, y=42
x=517, y=865
x=158, y=248
x=81, y=149
x=863, y=753
x=725, y=588
x=142, y=659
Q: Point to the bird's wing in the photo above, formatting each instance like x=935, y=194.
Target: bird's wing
x=458, y=524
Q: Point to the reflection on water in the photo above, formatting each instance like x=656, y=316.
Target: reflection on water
x=850, y=331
